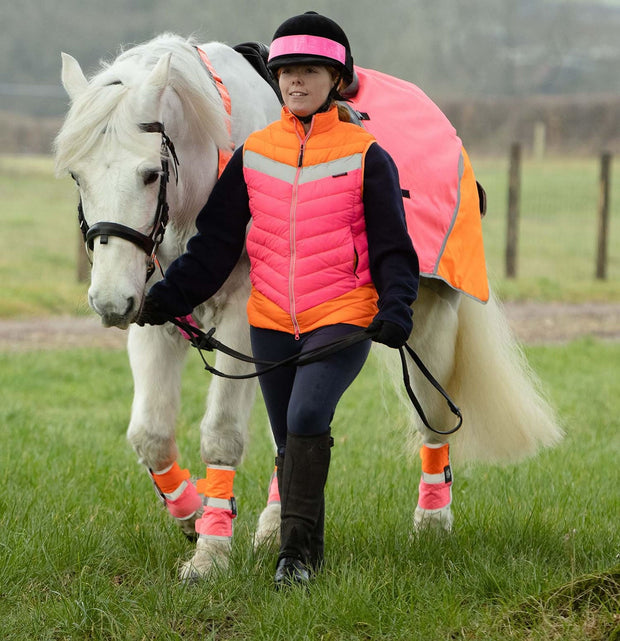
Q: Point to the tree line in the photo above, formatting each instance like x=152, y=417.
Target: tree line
x=474, y=48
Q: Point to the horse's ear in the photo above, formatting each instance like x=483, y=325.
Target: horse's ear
x=73, y=78
x=153, y=88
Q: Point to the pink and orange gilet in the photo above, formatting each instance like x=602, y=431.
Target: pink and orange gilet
x=307, y=243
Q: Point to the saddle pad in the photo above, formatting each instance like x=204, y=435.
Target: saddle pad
x=440, y=193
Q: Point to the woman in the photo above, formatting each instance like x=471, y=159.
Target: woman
x=329, y=254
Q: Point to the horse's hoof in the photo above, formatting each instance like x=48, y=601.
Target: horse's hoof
x=188, y=526
x=211, y=555
x=268, y=528
x=439, y=520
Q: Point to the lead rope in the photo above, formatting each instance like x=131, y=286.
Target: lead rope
x=204, y=341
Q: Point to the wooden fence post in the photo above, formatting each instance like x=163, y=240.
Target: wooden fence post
x=603, y=217
x=512, y=227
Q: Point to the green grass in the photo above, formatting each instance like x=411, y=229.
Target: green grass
x=87, y=553
x=39, y=241
x=556, y=259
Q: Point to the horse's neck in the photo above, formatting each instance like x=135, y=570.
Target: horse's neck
x=197, y=171
x=254, y=103
x=197, y=176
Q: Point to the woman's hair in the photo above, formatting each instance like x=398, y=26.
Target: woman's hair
x=343, y=113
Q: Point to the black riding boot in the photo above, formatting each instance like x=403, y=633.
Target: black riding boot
x=304, y=474
x=317, y=537
x=317, y=541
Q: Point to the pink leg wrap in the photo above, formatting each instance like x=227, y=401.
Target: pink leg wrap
x=274, y=492
x=186, y=504
x=434, y=496
x=216, y=522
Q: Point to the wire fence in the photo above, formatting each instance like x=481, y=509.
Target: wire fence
x=552, y=218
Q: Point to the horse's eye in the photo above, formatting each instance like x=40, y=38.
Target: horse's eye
x=149, y=177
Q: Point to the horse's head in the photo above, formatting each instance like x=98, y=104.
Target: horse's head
x=113, y=144
x=117, y=172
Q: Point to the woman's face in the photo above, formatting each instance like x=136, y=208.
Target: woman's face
x=305, y=87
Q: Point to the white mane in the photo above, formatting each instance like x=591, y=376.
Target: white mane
x=106, y=107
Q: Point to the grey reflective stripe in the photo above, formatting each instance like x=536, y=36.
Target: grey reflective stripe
x=273, y=168
x=433, y=479
x=335, y=167
x=213, y=537
x=287, y=173
x=222, y=504
x=173, y=496
x=454, y=213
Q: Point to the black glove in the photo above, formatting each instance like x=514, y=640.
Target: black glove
x=151, y=313
x=388, y=333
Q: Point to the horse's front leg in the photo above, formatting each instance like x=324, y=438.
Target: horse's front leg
x=223, y=435
x=156, y=356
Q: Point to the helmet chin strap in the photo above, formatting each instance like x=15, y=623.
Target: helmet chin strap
x=331, y=97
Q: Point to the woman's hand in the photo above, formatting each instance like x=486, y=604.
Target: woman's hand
x=388, y=333
x=151, y=314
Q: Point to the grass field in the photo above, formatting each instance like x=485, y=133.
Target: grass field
x=556, y=259
x=88, y=553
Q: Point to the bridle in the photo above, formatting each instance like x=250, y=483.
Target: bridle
x=148, y=243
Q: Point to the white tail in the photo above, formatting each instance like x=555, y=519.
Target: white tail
x=506, y=414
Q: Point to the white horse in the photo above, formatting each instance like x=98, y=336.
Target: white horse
x=116, y=150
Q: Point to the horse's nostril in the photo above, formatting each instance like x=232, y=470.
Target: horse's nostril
x=130, y=305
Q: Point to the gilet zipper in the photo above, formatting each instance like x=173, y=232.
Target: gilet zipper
x=292, y=226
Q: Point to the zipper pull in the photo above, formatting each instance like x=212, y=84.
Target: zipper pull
x=301, y=155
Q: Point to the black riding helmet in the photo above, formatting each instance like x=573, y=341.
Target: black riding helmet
x=312, y=39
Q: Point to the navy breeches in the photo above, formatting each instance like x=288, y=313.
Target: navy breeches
x=303, y=400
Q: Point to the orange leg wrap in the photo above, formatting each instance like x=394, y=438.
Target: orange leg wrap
x=170, y=480
x=218, y=484
x=435, y=459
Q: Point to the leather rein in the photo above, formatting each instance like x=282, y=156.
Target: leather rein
x=205, y=341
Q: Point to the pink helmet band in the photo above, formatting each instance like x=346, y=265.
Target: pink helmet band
x=308, y=45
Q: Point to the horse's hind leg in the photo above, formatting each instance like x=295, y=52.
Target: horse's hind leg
x=268, y=527
x=434, y=339
x=156, y=359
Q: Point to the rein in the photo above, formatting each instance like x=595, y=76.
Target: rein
x=148, y=243
x=204, y=341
